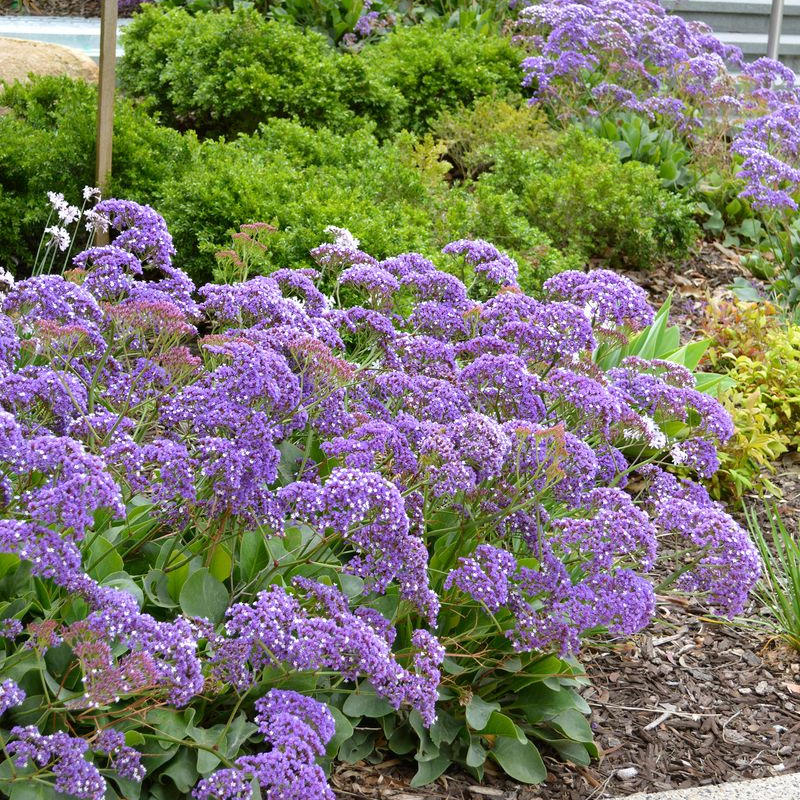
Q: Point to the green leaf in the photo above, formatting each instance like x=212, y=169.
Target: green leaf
x=539, y=702
x=352, y=585
x=134, y=739
x=476, y=754
x=33, y=790
x=429, y=771
x=204, y=596
x=177, y=571
x=358, y=746
x=181, y=770
x=690, y=354
x=574, y=725
x=156, y=587
x=344, y=730
x=401, y=741
x=521, y=762
x=173, y=724
x=103, y=559
x=252, y=554
x=445, y=729
x=479, y=711
x=221, y=564
x=363, y=702
x=501, y=725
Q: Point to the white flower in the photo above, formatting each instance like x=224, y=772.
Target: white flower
x=678, y=454
x=58, y=236
x=66, y=212
x=654, y=434
x=95, y=221
x=343, y=237
x=6, y=282
x=90, y=191
x=56, y=199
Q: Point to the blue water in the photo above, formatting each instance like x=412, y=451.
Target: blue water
x=78, y=32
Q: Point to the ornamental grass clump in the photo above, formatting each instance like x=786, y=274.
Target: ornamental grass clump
x=250, y=528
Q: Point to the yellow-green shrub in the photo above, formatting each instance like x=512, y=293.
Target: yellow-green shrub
x=761, y=353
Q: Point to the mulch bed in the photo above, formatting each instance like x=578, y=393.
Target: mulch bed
x=690, y=702
x=51, y=8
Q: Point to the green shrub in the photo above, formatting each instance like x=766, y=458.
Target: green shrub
x=435, y=69
x=471, y=135
x=223, y=73
x=301, y=181
x=589, y=203
x=392, y=195
x=47, y=143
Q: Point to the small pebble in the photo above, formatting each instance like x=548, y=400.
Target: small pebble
x=745, y=690
x=627, y=773
x=762, y=688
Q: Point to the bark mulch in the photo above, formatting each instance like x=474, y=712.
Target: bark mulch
x=51, y=8
x=693, y=700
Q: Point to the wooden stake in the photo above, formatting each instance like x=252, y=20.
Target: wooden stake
x=105, y=99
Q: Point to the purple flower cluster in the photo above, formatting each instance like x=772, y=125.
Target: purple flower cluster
x=486, y=260
x=10, y=695
x=298, y=728
x=609, y=55
x=365, y=429
x=64, y=755
x=727, y=565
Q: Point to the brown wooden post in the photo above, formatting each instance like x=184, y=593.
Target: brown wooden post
x=105, y=99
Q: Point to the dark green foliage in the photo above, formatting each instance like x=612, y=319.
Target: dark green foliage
x=590, y=203
x=393, y=195
x=223, y=73
x=47, y=144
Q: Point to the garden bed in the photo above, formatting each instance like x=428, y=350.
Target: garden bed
x=691, y=701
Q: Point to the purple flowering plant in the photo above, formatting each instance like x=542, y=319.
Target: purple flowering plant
x=619, y=66
x=249, y=527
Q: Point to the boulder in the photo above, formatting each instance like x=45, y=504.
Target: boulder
x=19, y=57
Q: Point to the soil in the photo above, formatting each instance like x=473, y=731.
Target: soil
x=692, y=701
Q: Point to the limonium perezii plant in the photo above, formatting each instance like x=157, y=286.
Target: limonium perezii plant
x=241, y=521
x=592, y=58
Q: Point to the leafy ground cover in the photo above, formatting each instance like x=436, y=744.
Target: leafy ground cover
x=350, y=502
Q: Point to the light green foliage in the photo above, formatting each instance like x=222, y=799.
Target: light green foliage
x=47, y=144
x=761, y=354
x=435, y=69
x=589, y=203
x=472, y=135
x=222, y=73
